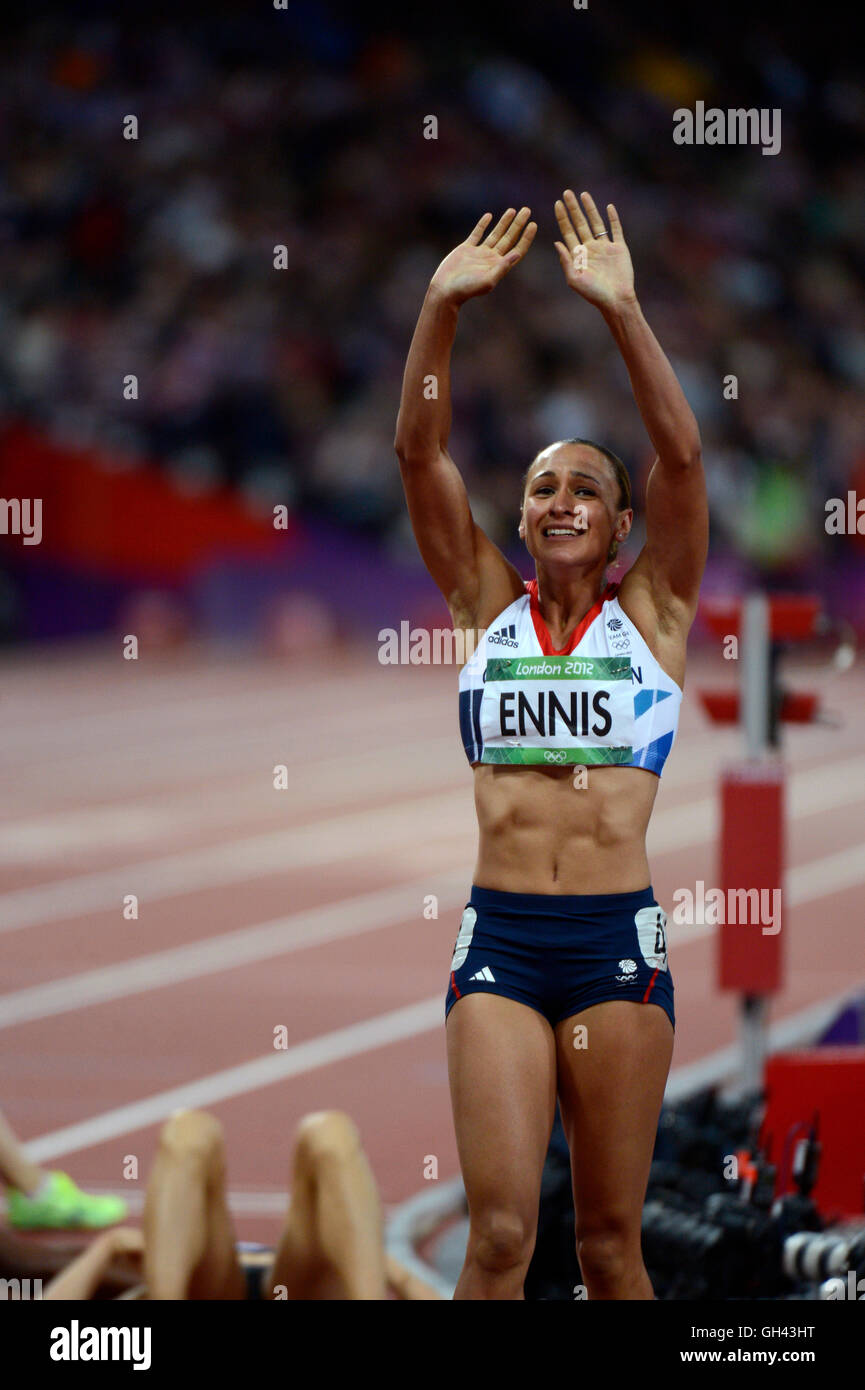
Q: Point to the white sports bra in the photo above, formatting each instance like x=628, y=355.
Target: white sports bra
x=605, y=700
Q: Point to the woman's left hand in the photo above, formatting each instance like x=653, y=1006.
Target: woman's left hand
x=597, y=263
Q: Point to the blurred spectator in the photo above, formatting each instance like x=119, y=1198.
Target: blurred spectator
x=295, y=130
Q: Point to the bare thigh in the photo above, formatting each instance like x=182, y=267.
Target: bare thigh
x=190, y=1246
x=610, y=1094
x=502, y=1070
x=332, y=1244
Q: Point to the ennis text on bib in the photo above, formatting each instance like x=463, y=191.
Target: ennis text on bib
x=604, y=701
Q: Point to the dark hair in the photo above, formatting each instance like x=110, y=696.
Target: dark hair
x=621, y=472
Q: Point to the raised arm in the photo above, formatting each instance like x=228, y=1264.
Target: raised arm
x=677, y=518
x=473, y=575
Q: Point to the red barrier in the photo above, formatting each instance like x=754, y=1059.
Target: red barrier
x=134, y=523
x=831, y=1082
x=792, y=617
x=723, y=706
x=751, y=864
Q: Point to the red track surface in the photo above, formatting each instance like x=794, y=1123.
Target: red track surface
x=157, y=779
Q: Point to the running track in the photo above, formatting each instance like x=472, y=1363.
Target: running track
x=304, y=908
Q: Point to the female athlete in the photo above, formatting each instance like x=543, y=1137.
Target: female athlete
x=560, y=982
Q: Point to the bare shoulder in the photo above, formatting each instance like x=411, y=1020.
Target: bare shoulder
x=663, y=623
x=497, y=584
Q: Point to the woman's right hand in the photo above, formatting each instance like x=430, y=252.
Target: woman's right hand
x=476, y=266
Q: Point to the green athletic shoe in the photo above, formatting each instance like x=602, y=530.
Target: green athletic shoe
x=62, y=1206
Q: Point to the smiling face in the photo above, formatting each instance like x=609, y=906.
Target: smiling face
x=572, y=507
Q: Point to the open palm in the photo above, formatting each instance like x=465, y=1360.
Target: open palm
x=596, y=262
x=477, y=265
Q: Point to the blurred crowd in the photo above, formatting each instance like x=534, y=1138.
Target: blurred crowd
x=304, y=129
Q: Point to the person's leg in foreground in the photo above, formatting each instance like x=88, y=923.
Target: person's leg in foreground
x=610, y=1094
x=189, y=1238
x=332, y=1244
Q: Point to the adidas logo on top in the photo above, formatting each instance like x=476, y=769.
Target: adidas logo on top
x=506, y=636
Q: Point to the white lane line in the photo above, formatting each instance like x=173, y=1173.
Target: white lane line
x=126, y=824
x=208, y=694
x=210, y=765
x=330, y=840
x=338, y=1046
x=295, y=932
x=350, y=916
x=806, y=883
x=274, y=1203
x=794, y=1030
x=210, y=760
x=350, y=1042
x=335, y=839
x=195, y=748
x=419, y=1216
x=827, y=787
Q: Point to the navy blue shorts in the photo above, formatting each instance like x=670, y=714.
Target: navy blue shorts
x=559, y=954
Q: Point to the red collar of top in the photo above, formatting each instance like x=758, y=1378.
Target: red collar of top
x=542, y=631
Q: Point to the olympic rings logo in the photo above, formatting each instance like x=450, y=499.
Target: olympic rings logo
x=555, y=756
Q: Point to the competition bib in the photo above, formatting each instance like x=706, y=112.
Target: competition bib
x=557, y=709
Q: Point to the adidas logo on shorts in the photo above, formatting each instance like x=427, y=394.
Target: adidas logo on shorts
x=485, y=974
